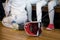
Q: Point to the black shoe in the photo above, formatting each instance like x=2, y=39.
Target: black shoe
x=21, y=26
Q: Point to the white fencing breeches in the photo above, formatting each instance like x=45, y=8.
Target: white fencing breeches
x=39, y=5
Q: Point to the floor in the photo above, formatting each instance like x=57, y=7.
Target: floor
x=11, y=34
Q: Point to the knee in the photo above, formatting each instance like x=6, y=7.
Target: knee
x=52, y=3
x=41, y=3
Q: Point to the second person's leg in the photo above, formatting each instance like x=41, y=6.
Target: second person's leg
x=51, y=6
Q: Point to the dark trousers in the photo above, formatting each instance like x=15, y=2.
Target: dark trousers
x=2, y=12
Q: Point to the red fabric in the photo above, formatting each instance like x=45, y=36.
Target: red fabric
x=32, y=28
x=51, y=26
x=27, y=29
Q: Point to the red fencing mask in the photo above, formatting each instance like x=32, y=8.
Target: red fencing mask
x=32, y=29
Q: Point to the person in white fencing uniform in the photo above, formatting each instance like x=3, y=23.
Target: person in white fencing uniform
x=18, y=14
x=51, y=5
x=39, y=5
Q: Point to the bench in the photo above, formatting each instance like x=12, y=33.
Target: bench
x=45, y=8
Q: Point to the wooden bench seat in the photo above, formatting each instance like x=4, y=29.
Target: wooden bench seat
x=45, y=8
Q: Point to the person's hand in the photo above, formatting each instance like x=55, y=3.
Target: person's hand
x=6, y=13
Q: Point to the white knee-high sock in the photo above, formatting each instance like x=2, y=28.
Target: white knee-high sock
x=39, y=6
x=51, y=6
x=29, y=10
x=51, y=16
x=38, y=12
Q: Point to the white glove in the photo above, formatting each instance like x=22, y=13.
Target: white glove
x=7, y=7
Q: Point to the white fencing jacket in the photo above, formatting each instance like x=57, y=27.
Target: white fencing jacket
x=17, y=8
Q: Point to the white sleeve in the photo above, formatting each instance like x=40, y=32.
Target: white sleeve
x=7, y=7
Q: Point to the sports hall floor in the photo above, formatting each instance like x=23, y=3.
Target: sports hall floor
x=11, y=34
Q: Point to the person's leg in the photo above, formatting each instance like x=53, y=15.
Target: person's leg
x=29, y=8
x=29, y=11
x=39, y=6
x=51, y=6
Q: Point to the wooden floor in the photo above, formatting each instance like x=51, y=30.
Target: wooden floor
x=10, y=34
